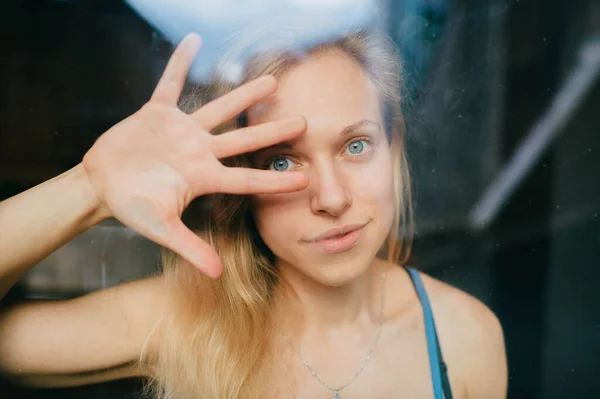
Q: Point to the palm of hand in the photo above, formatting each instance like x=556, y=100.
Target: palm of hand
x=148, y=168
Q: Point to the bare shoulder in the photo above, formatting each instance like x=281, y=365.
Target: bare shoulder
x=471, y=338
x=465, y=315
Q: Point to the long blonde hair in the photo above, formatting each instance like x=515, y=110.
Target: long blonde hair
x=215, y=335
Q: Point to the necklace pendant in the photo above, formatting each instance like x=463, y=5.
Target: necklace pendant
x=336, y=395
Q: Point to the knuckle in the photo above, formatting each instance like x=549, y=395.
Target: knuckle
x=253, y=182
x=249, y=141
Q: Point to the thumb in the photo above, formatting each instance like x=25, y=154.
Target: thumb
x=192, y=248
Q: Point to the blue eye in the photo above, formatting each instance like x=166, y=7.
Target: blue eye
x=279, y=164
x=282, y=163
x=356, y=147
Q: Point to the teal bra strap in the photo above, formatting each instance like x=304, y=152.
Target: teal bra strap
x=441, y=386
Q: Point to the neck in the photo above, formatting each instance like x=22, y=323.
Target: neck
x=307, y=305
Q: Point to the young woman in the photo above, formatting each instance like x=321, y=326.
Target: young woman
x=294, y=286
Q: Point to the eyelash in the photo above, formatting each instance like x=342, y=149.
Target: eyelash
x=366, y=139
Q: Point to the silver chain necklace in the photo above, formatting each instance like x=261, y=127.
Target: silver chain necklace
x=336, y=391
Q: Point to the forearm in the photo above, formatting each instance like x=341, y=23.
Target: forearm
x=40, y=220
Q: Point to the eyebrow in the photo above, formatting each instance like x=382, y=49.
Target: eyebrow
x=348, y=130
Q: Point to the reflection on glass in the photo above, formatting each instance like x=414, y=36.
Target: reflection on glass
x=499, y=99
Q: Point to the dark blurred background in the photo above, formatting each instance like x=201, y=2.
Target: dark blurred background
x=502, y=101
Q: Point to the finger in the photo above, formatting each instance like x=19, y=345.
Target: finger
x=254, y=138
x=192, y=248
x=254, y=181
x=173, y=78
x=231, y=104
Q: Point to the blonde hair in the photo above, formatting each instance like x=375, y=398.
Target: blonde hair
x=216, y=333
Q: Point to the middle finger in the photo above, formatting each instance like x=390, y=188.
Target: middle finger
x=231, y=104
x=254, y=138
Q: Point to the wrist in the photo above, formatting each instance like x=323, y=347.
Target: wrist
x=95, y=211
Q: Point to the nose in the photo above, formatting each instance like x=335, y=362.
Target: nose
x=329, y=191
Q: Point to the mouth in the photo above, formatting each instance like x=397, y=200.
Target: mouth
x=338, y=232
x=339, y=240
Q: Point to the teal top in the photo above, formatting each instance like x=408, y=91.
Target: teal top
x=439, y=371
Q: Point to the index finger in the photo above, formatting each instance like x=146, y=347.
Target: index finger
x=173, y=78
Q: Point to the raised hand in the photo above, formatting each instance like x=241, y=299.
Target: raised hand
x=148, y=168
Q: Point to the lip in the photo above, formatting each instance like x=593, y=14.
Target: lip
x=338, y=231
x=330, y=244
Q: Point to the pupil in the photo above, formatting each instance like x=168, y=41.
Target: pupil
x=357, y=145
x=281, y=164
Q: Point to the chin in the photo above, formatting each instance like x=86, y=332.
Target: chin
x=339, y=272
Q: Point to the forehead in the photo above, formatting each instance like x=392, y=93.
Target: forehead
x=329, y=89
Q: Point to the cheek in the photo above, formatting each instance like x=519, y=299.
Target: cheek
x=376, y=185
x=274, y=216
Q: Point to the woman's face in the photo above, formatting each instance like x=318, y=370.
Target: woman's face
x=347, y=159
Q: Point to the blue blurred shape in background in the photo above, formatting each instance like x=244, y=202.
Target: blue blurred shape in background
x=241, y=28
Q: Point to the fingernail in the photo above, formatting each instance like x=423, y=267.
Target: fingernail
x=193, y=41
x=268, y=78
x=299, y=122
